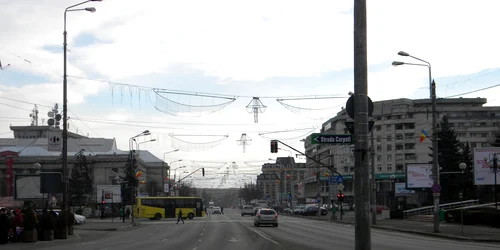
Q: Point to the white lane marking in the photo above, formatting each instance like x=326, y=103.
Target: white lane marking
x=233, y=239
x=201, y=234
x=194, y=248
x=164, y=239
x=199, y=240
x=261, y=234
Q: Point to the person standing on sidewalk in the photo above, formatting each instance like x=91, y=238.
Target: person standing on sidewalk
x=122, y=215
x=179, y=217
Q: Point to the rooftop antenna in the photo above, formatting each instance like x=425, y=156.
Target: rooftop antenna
x=34, y=116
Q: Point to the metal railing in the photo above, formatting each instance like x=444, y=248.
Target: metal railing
x=430, y=209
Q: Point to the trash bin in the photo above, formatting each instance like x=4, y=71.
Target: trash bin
x=441, y=215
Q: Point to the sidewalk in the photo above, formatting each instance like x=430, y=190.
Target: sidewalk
x=106, y=225
x=447, y=230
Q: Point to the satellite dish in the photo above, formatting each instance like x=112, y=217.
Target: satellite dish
x=50, y=114
x=58, y=117
x=50, y=122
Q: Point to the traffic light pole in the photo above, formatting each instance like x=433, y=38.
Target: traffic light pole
x=308, y=157
x=203, y=170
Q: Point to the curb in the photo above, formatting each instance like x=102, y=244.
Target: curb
x=111, y=228
x=437, y=235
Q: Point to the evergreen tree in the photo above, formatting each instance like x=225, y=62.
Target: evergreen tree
x=469, y=187
x=80, y=183
x=449, y=158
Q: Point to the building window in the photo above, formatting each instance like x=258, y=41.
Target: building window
x=410, y=146
x=388, y=127
x=399, y=137
x=473, y=145
x=114, y=170
x=379, y=138
x=379, y=148
x=399, y=147
x=379, y=168
x=389, y=167
x=379, y=158
x=389, y=147
x=389, y=157
x=389, y=137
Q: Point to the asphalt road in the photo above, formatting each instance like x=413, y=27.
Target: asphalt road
x=233, y=232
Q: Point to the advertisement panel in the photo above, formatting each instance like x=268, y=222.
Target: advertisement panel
x=483, y=166
x=109, y=194
x=400, y=189
x=419, y=175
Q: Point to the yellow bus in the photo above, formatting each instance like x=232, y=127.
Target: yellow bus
x=168, y=207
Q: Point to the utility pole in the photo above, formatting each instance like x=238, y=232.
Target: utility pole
x=374, y=182
x=435, y=153
x=361, y=173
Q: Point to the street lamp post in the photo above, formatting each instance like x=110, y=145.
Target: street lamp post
x=131, y=149
x=462, y=167
x=435, y=167
x=494, y=169
x=169, y=171
x=163, y=169
x=65, y=100
x=138, y=144
x=393, y=188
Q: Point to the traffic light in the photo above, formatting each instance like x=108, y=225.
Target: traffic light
x=340, y=196
x=203, y=171
x=274, y=146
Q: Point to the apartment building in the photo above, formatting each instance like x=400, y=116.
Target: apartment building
x=396, y=134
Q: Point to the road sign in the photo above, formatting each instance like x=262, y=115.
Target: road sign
x=436, y=188
x=332, y=179
x=349, y=106
x=340, y=186
x=54, y=141
x=340, y=179
x=331, y=139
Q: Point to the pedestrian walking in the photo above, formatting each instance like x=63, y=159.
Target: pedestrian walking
x=179, y=217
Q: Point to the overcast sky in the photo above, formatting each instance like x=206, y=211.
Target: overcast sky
x=119, y=55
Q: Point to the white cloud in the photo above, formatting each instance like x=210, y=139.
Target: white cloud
x=242, y=45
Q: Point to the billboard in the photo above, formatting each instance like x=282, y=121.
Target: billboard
x=483, y=161
x=27, y=187
x=419, y=175
x=109, y=193
x=400, y=189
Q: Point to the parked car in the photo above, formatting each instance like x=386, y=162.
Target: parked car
x=313, y=210
x=247, y=209
x=266, y=216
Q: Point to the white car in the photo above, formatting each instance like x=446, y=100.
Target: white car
x=247, y=209
x=266, y=216
x=216, y=210
x=79, y=219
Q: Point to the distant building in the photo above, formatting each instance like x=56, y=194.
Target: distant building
x=105, y=160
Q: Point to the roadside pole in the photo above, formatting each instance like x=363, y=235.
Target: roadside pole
x=374, y=182
x=361, y=173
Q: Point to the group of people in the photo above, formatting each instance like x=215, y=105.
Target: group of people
x=11, y=225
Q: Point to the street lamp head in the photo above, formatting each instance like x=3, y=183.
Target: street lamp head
x=145, y=131
x=397, y=63
x=462, y=166
x=96, y=0
x=153, y=140
x=402, y=53
x=90, y=9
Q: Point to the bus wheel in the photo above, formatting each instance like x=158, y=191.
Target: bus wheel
x=190, y=216
x=157, y=216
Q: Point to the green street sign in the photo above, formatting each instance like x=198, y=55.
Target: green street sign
x=331, y=139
